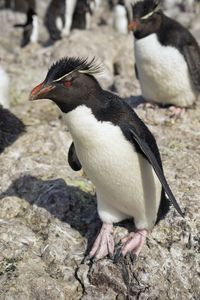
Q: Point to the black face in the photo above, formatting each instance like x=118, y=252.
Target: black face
x=147, y=18
x=69, y=84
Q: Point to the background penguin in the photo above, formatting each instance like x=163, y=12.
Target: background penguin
x=121, y=17
x=70, y=6
x=167, y=56
x=4, y=88
x=55, y=19
x=115, y=149
x=30, y=28
x=82, y=15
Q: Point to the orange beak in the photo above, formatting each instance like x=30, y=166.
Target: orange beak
x=132, y=26
x=39, y=92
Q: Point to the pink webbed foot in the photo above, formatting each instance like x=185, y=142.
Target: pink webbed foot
x=104, y=244
x=133, y=242
x=176, y=111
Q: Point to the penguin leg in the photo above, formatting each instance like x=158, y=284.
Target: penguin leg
x=104, y=244
x=134, y=242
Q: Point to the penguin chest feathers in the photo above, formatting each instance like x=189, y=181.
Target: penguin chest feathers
x=163, y=73
x=124, y=179
x=120, y=19
x=34, y=33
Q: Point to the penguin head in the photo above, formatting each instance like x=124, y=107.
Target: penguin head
x=30, y=14
x=146, y=17
x=70, y=82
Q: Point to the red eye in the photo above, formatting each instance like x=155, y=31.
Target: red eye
x=68, y=83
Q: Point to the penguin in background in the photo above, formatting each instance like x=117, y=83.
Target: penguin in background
x=30, y=28
x=62, y=16
x=70, y=6
x=167, y=57
x=115, y=149
x=4, y=88
x=121, y=17
x=82, y=14
x=54, y=19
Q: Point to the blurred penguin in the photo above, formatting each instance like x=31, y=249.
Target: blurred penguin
x=4, y=88
x=121, y=17
x=70, y=6
x=62, y=16
x=55, y=19
x=30, y=28
x=82, y=14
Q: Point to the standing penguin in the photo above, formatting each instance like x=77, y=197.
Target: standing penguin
x=167, y=56
x=82, y=15
x=116, y=150
x=54, y=19
x=70, y=6
x=30, y=28
x=121, y=18
x=4, y=88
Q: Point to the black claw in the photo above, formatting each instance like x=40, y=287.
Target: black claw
x=118, y=254
x=111, y=256
x=131, y=257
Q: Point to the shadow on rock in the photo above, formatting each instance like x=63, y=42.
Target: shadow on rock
x=10, y=128
x=67, y=203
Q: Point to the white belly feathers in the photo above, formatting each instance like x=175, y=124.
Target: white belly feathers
x=125, y=182
x=163, y=73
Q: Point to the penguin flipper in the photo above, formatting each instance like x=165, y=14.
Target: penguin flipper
x=136, y=71
x=192, y=55
x=146, y=149
x=73, y=159
x=18, y=25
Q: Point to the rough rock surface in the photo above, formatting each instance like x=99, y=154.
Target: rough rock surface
x=48, y=217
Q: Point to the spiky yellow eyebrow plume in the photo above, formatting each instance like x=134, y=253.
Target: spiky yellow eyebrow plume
x=69, y=65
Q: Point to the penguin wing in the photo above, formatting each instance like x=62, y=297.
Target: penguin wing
x=26, y=35
x=18, y=25
x=136, y=72
x=191, y=53
x=73, y=159
x=148, y=149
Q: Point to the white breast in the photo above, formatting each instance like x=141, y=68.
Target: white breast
x=34, y=34
x=69, y=11
x=4, y=88
x=120, y=19
x=125, y=182
x=163, y=73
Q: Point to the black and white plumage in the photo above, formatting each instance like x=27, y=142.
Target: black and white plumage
x=55, y=18
x=64, y=15
x=4, y=88
x=115, y=149
x=121, y=17
x=82, y=14
x=30, y=28
x=167, y=56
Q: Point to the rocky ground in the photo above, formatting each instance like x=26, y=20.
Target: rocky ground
x=48, y=216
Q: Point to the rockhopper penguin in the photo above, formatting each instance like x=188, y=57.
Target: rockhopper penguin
x=167, y=56
x=116, y=150
x=121, y=17
x=82, y=14
x=30, y=28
